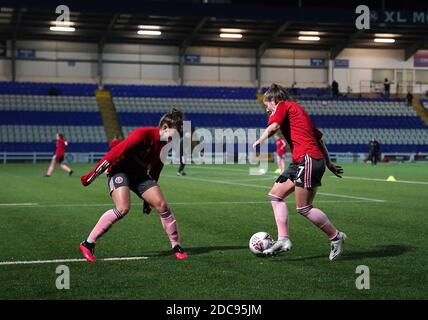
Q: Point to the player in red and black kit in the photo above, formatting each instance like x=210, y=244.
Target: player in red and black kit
x=115, y=141
x=58, y=157
x=303, y=176
x=280, y=152
x=135, y=164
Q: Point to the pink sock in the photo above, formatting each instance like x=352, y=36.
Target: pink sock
x=282, y=164
x=318, y=218
x=105, y=222
x=280, y=211
x=169, y=224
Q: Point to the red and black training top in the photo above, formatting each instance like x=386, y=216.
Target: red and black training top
x=137, y=155
x=114, y=143
x=60, y=147
x=280, y=147
x=298, y=130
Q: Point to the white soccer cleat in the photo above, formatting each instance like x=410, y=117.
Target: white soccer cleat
x=279, y=246
x=337, y=246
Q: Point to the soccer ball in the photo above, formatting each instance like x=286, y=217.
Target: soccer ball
x=262, y=171
x=259, y=242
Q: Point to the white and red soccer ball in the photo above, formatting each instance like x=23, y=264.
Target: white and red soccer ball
x=259, y=242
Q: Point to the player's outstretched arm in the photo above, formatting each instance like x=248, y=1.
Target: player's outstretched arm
x=102, y=165
x=114, y=156
x=337, y=170
x=269, y=131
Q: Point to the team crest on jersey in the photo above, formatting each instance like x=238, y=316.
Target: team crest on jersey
x=118, y=180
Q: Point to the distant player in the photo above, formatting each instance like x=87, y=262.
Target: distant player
x=303, y=176
x=135, y=165
x=115, y=141
x=280, y=152
x=374, y=151
x=180, y=171
x=185, y=155
x=58, y=157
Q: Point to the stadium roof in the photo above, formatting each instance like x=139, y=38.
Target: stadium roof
x=263, y=24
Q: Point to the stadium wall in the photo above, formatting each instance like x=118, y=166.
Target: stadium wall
x=151, y=64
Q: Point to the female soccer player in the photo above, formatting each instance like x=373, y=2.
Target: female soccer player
x=58, y=157
x=115, y=141
x=135, y=164
x=303, y=176
x=280, y=152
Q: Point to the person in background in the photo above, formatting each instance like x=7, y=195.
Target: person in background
x=409, y=99
x=387, y=87
x=58, y=157
x=280, y=152
x=293, y=90
x=192, y=140
x=374, y=151
x=115, y=141
x=53, y=91
x=335, y=88
x=349, y=91
x=183, y=154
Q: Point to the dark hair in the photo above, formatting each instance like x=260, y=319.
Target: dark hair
x=276, y=93
x=173, y=119
x=60, y=135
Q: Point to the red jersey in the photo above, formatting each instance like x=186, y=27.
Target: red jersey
x=298, y=130
x=60, y=147
x=114, y=143
x=280, y=146
x=138, y=155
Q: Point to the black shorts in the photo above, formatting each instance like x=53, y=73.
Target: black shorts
x=138, y=185
x=59, y=159
x=306, y=173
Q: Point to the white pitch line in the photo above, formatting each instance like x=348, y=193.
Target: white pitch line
x=350, y=197
x=223, y=182
x=384, y=180
x=222, y=168
x=256, y=179
x=59, y=205
x=268, y=187
x=17, y=204
x=8, y=263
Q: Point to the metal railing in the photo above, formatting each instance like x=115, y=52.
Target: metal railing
x=90, y=157
x=34, y=157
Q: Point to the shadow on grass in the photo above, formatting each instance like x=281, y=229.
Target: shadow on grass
x=200, y=250
x=391, y=250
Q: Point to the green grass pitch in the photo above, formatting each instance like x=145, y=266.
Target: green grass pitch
x=218, y=208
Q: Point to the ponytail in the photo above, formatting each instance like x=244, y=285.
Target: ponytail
x=173, y=119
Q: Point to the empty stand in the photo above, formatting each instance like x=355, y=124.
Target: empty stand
x=29, y=117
